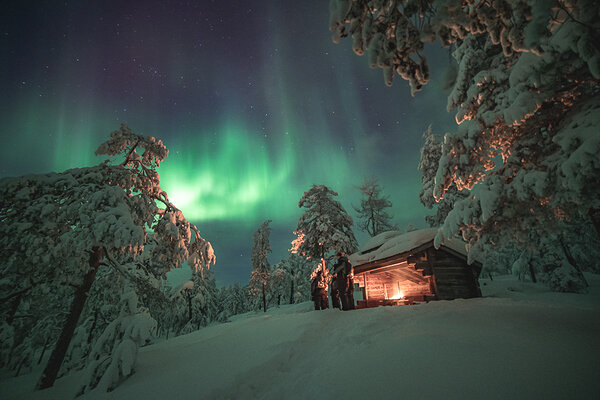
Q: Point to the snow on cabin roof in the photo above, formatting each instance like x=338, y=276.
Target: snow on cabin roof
x=390, y=243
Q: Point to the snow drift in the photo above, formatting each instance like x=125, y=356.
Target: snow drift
x=517, y=342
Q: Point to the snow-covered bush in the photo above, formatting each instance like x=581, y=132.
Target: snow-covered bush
x=7, y=338
x=113, y=356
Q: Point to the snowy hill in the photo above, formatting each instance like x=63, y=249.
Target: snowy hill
x=517, y=342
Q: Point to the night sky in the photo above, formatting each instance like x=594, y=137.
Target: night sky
x=252, y=98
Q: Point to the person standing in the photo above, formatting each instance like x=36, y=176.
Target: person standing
x=335, y=293
x=343, y=270
x=318, y=290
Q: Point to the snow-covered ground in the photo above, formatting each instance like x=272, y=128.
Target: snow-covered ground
x=518, y=342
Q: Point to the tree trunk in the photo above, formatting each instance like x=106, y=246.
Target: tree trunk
x=189, y=298
x=14, y=305
x=90, y=334
x=594, y=214
x=572, y=261
x=264, y=295
x=13, y=308
x=60, y=349
x=292, y=289
x=43, y=350
x=532, y=272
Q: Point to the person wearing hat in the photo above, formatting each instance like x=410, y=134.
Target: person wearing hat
x=343, y=271
x=318, y=290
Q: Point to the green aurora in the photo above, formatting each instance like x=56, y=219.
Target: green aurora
x=251, y=120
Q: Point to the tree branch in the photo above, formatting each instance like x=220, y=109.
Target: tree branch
x=129, y=153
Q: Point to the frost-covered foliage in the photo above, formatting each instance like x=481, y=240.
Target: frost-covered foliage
x=527, y=102
x=300, y=271
x=7, y=339
x=325, y=227
x=57, y=229
x=552, y=265
x=582, y=241
x=431, y=153
x=112, y=358
x=500, y=261
x=260, y=276
x=373, y=216
x=235, y=300
x=200, y=303
x=34, y=315
x=280, y=285
x=101, y=308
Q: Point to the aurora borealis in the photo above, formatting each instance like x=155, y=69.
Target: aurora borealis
x=253, y=100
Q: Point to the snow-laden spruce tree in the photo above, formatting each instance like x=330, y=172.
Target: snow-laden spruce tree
x=259, y=278
x=280, y=283
x=372, y=213
x=431, y=152
x=297, y=270
x=200, y=301
x=526, y=101
x=324, y=228
x=61, y=227
x=235, y=300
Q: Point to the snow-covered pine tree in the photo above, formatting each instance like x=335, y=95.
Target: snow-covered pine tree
x=324, y=228
x=500, y=261
x=259, y=278
x=431, y=153
x=235, y=300
x=281, y=281
x=372, y=214
x=298, y=270
x=62, y=226
x=302, y=269
x=201, y=302
x=526, y=95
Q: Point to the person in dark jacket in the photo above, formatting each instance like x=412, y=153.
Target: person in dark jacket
x=318, y=290
x=335, y=293
x=343, y=271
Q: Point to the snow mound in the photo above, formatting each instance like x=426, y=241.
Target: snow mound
x=520, y=341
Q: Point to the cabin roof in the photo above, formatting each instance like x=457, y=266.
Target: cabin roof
x=388, y=244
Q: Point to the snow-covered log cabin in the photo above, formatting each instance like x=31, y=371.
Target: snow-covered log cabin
x=395, y=268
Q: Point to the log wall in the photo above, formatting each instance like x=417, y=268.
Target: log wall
x=428, y=274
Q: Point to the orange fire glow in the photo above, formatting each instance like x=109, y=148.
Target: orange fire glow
x=398, y=294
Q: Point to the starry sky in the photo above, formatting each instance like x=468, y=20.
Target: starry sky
x=253, y=99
